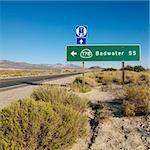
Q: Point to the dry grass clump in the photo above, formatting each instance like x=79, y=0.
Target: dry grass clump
x=105, y=113
x=107, y=77
x=36, y=125
x=137, y=100
x=78, y=87
x=128, y=108
x=112, y=77
x=25, y=72
x=89, y=79
x=137, y=77
x=30, y=72
x=56, y=95
x=88, y=82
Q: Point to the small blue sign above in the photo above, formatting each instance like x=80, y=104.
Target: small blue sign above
x=81, y=40
x=81, y=31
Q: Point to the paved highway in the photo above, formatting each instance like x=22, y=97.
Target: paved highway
x=6, y=83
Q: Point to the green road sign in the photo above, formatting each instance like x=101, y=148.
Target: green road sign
x=103, y=53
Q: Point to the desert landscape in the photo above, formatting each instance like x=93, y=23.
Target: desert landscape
x=105, y=114
x=74, y=75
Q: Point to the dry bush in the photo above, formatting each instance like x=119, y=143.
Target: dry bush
x=56, y=94
x=128, y=108
x=131, y=77
x=78, y=87
x=137, y=77
x=89, y=79
x=30, y=72
x=144, y=78
x=105, y=113
x=37, y=125
x=137, y=100
x=105, y=77
x=111, y=77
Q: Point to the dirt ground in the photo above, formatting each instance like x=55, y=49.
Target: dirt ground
x=109, y=130
x=8, y=96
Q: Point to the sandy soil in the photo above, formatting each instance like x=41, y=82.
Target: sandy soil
x=62, y=81
x=109, y=130
x=112, y=131
x=6, y=97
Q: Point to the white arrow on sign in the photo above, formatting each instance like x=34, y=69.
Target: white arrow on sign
x=73, y=53
x=81, y=41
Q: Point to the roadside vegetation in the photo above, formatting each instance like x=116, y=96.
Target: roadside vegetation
x=29, y=72
x=95, y=78
x=135, y=68
x=78, y=87
x=82, y=86
x=109, y=69
x=137, y=100
x=136, y=89
x=52, y=118
x=110, y=76
x=58, y=95
x=55, y=117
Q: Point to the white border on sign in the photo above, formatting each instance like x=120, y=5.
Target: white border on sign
x=108, y=45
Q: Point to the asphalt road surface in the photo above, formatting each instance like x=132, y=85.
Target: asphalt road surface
x=6, y=83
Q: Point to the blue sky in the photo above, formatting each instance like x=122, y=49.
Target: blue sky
x=37, y=32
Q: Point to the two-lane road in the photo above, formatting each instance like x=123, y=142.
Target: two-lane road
x=8, y=83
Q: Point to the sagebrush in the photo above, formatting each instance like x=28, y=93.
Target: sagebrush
x=137, y=100
x=36, y=125
x=56, y=94
x=78, y=87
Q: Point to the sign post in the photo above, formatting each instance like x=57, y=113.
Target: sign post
x=81, y=33
x=83, y=73
x=123, y=73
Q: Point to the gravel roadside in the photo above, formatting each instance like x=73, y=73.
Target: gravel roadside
x=8, y=96
x=114, y=132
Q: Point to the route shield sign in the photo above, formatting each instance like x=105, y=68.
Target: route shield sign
x=103, y=53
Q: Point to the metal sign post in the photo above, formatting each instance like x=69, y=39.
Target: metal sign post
x=83, y=73
x=81, y=33
x=123, y=73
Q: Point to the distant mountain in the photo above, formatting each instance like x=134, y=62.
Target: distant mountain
x=95, y=67
x=24, y=65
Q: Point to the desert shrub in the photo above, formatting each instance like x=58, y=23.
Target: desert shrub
x=31, y=72
x=128, y=108
x=37, y=125
x=111, y=77
x=144, y=78
x=139, y=68
x=107, y=77
x=109, y=69
x=89, y=79
x=130, y=68
x=55, y=94
x=134, y=68
x=99, y=78
x=78, y=87
x=137, y=100
x=130, y=79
